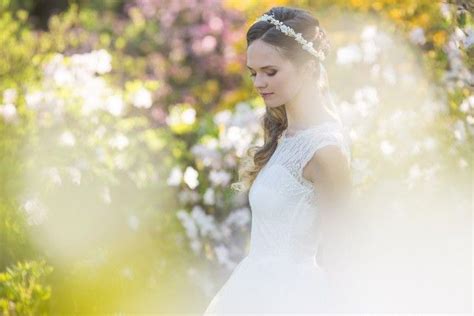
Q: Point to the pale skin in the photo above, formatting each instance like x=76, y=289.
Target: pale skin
x=328, y=169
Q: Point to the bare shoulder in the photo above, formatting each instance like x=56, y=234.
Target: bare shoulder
x=328, y=164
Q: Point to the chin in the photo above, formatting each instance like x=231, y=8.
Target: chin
x=272, y=104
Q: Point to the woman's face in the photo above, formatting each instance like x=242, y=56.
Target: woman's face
x=272, y=73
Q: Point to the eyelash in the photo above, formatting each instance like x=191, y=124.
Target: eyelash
x=271, y=75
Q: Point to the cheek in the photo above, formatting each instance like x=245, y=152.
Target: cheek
x=283, y=87
x=291, y=87
x=279, y=84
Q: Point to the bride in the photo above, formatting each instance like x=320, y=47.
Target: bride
x=298, y=181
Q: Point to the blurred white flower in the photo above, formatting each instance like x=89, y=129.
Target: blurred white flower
x=93, y=93
x=370, y=45
x=209, y=197
x=237, y=138
x=142, y=98
x=196, y=246
x=370, y=51
x=221, y=177
x=133, y=222
x=365, y=99
x=445, y=11
x=467, y=104
x=459, y=35
x=204, y=222
x=115, y=105
x=8, y=112
x=417, y=36
x=208, y=43
x=191, y=230
x=188, y=223
x=175, y=177
x=97, y=61
x=9, y=95
x=222, y=254
x=246, y=117
x=223, y=117
x=387, y=148
x=33, y=99
x=102, y=60
x=56, y=71
x=67, y=139
x=188, y=116
x=470, y=119
x=459, y=130
x=369, y=32
x=469, y=40
x=240, y=217
x=36, y=212
x=349, y=54
x=207, y=153
x=215, y=23
x=462, y=163
x=181, y=113
x=119, y=142
x=191, y=177
x=187, y=196
x=368, y=94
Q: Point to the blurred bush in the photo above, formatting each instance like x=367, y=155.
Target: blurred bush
x=23, y=289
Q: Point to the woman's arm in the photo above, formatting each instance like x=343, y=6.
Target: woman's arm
x=329, y=171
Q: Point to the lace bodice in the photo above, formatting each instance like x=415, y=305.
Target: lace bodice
x=283, y=203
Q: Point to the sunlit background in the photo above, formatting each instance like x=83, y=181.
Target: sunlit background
x=122, y=124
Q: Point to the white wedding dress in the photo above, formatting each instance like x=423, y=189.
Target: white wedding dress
x=280, y=274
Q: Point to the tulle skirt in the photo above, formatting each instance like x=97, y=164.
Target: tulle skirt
x=260, y=285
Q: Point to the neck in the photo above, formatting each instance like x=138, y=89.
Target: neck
x=307, y=109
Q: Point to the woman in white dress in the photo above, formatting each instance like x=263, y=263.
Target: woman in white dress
x=298, y=181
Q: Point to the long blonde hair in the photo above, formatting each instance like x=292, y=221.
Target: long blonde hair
x=274, y=123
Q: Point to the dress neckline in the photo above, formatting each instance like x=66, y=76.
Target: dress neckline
x=304, y=131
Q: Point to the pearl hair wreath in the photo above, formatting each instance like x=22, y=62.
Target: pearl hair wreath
x=308, y=46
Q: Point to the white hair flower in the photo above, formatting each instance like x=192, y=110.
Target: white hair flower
x=307, y=46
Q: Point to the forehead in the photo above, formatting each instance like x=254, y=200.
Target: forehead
x=261, y=54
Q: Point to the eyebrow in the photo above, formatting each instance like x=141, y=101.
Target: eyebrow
x=263, y=67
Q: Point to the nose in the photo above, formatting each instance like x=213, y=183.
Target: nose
x=260, y=82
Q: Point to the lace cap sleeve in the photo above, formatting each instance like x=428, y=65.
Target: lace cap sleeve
x=321, y=138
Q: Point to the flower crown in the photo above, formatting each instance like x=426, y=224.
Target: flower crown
x=308, y=46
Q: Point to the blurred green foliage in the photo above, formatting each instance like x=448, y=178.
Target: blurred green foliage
x=23, y=290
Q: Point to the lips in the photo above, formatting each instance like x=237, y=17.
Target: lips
x=266, y=94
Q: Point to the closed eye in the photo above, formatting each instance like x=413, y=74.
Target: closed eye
x=270, y=74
